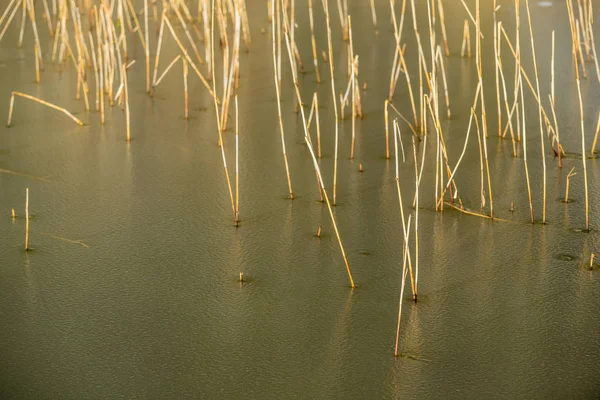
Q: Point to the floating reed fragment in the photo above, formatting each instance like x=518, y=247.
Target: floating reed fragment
x=47, y=104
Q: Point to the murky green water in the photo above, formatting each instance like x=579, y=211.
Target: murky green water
x=148, y=303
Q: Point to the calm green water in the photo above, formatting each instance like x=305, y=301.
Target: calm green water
x=151, y=307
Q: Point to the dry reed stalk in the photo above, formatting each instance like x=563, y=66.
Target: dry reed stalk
x=164, y=73
x=583, y=157
x=387, y=128
x=410, y=92
x=275, y=70
x=373, y=14
x=187, y=34
x=496, y=57
x=524, y=129
x=335, y=109
x=443, y=20
x=23, y=22
x=595, y=136
x=317, y=169
x=312, y=38
x=482, y=190
x=237, y=164
x=143, y=39
x=207, y=43
x=84, y=84
x=399, y=138
x=415, y=294
x=475, y=214
x=466, y=42
x=316, y=103
x=478, y=56
x=539, y=112
x=489, y=181
x=592, y=261
x=187, y=56
x=13, y=215
x=279, y=40
x=508, y=112
x=552, y=104
x=37, y=64
x=5, y=13
x=185, y=89
x=27, y=219
x=127, y=116
x=147, y=47
x=569, y=175
x=95, y=63
x=414, y=131
x=220, y=143
x=522, y=72
x=47, y=104
x=580, y=52
x=100, y=65
x=451, y=178
x=404, y=272
x=471, y=16
x=353, y=86
x=398, y=36
x=441, y=59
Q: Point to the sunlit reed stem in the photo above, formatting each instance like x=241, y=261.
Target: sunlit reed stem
x=275, y=71
x=237, y=164
x=466, y=42
x=595, y=136
x=312, y=38
x=443, y=20
x=185, y=89
x=387, y=128
x=27, y=219
x=539, y=113
x=441, y=59
x=147, y=46
x=333, y=94
x=221, y=144
x=164, y=73
x=482, y=190
x=402, y=284
x=127, y=116
x=583, y=157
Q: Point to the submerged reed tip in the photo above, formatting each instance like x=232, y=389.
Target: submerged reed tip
x=319, y=231
x=13, y=214
x=241, y=277
x=360, y=168
x=512, y=206
x=365, y=87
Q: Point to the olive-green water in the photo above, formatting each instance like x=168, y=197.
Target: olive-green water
x=131, y=287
